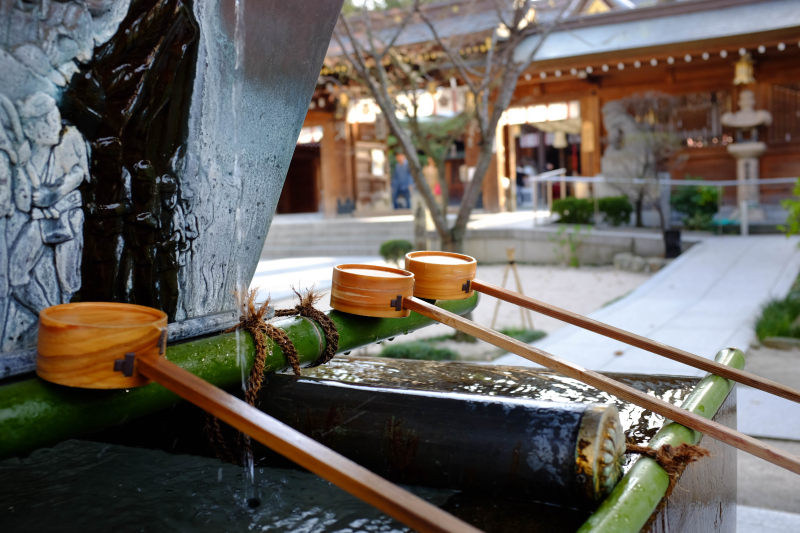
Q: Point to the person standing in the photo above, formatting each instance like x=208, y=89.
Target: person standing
x=431, y=174
x=401, y=182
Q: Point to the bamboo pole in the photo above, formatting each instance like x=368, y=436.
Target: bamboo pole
x=355, y=479
x=35, y=413
x=599, y=381
x=640, y=492
x=676, y=354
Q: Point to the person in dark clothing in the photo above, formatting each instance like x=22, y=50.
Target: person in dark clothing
x=401, y=183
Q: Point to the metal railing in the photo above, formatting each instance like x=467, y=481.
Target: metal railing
x=529, y=196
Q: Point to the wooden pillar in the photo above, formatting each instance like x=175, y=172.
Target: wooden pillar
x=335, y=180
x=491, y=182
x=591, y=152
x=511, y=159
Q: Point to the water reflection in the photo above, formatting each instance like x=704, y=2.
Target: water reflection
x=88, y=486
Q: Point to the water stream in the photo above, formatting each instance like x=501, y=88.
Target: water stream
x=250, y=486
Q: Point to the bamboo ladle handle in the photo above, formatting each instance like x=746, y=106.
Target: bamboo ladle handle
x=409, y=509
x=604, y=383
x=676, y=354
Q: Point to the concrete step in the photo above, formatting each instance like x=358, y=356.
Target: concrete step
x=308, y=238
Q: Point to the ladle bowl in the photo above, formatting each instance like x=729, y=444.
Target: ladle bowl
x=80, y=343
x=371, y=290
x=441, y=275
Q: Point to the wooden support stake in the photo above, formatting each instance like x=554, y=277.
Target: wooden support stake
x=741, y=376
x=604, y=383
x=355, y=479
x=524, y=314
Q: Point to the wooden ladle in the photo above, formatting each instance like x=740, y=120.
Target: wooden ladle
x=433, y=269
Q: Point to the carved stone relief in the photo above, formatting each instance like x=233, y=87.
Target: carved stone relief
x=43, y=159
x=140, y=160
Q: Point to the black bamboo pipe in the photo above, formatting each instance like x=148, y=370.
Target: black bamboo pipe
x=354, y=478
x=553, y=452
x=624, y=392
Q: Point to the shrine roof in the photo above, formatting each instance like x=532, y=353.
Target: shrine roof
x=664, y=26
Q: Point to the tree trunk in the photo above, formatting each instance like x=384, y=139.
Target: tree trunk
x=639, y=206
x=420, y=229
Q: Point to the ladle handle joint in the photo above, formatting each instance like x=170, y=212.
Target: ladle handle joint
x=126, y=365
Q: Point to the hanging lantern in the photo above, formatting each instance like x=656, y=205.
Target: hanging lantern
x=744, y=71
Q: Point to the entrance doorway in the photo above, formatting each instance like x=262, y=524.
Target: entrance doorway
x=300, y=192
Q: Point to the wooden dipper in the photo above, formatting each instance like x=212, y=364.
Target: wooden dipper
x=441, y=275
x=80, y=342
x=371, y=290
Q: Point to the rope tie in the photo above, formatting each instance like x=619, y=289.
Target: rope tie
x=673, y=459
x=253, y=320
x=306, y=309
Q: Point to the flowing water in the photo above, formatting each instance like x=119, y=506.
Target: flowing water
x=250, y=486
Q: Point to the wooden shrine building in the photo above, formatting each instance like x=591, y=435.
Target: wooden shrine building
x=603, y=52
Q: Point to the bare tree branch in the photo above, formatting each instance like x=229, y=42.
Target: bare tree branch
x=465, y=72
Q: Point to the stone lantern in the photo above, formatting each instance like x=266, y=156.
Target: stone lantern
x=747, y=149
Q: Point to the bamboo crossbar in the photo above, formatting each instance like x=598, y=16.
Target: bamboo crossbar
x=348, y=475
x=607, y=384
x=676, y=354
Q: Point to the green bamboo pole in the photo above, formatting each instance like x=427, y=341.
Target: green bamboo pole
x=35, y=413
x=636, y=496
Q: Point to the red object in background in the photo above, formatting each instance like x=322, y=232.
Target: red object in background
x=573, y=160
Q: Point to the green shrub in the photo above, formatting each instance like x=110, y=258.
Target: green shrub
x=418, y=350
x=573, y=210
x=698, y=203
x=792, y=205
x=617, y=209
x=524, y=335
x=777, y=319
x=394, y=251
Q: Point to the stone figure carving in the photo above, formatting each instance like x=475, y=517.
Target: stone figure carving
x=46, y=186
x=43, y=41
x=621, y=151
x=132, y=103
x=43, y=227
x=42, y=159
